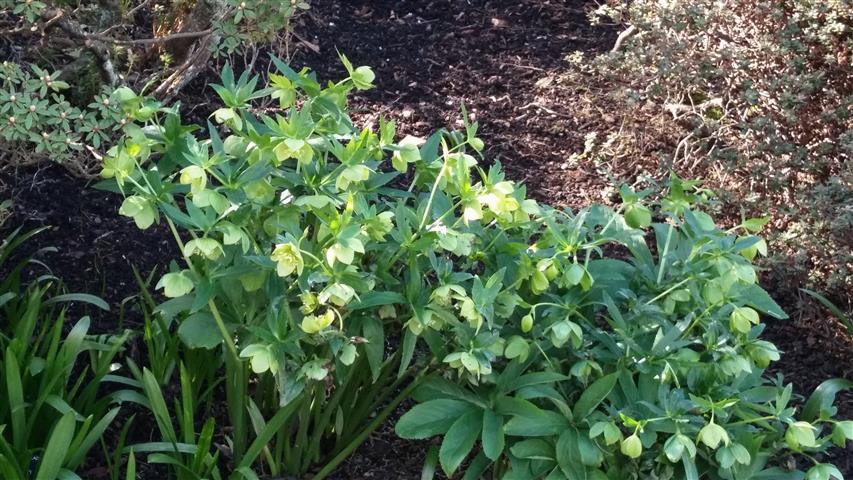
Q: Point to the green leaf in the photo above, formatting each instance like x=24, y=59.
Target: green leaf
x=823, y=397
x=409, y=342
x=757, y=297
x=459, y=440
x=575, y=452
x=594, y=395
x=493, y=435
x=57, y=448
x=199, y=330
x=430, y=464
x=15, y=399
x=431, y=418
x=374, y=332
x=79, y=297
x=374, y=299
x=271, y=428
x=536, y=423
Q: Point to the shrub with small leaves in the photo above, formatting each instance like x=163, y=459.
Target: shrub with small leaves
x=37, y=118
x=757, y=92
x=248, y=22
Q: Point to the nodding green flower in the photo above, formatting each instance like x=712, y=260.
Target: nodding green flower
x=632, y=447
x=317, y=323
x=140, y=209
x=209, y=248
x=175, y=284
x=712, y=435
x=527, y=323
x=288, y=259
x=379, y=226
x=309, y=302
x=407, y=154
x=195, y=177
x=117, y=164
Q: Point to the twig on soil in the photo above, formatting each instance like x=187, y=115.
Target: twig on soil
x=526, y=67
x=312, y=46
x=623, y=37
x=548, y=110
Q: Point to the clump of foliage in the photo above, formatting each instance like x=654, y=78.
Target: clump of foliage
x=39, y=119
x=647, y=366
x=311, y=246
x=754, y=95
x=247, y=23
x=52, y=412
x=104, y=55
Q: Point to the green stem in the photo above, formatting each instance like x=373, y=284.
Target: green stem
x=432, y=195
x=664, y=254
x=379, y=420
x=220, y=324
x=668, y=290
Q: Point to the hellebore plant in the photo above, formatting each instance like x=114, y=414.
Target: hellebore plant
x=336, y=271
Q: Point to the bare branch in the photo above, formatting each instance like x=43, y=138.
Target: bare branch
x=623, y=37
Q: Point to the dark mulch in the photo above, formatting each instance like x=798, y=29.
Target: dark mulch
x=96, y=248
x=430, y=57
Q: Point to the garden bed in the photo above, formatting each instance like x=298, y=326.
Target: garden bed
x=495, y=57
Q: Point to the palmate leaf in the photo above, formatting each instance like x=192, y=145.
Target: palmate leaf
x=199, y=330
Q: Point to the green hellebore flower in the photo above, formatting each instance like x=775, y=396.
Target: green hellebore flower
x=195, y=177
x=316, y=323
x=209, y=248
x=175, y=284
x=288, y=259
x=632, y=447
x=140, y=209
x=712, y=434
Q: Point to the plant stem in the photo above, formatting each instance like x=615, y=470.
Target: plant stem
x=664, y=254
x=668, y=290
x=380, y=418
x=432, y=195
x=220, y=324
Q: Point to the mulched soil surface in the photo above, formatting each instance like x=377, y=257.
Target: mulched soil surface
x=430, y=57
x=96, y=249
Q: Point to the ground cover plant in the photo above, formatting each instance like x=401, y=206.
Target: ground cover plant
x=53, y=411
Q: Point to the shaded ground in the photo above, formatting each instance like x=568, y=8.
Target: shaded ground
x=97, y=249
x=430, y=57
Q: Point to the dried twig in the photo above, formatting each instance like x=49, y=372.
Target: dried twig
x=623, y=37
